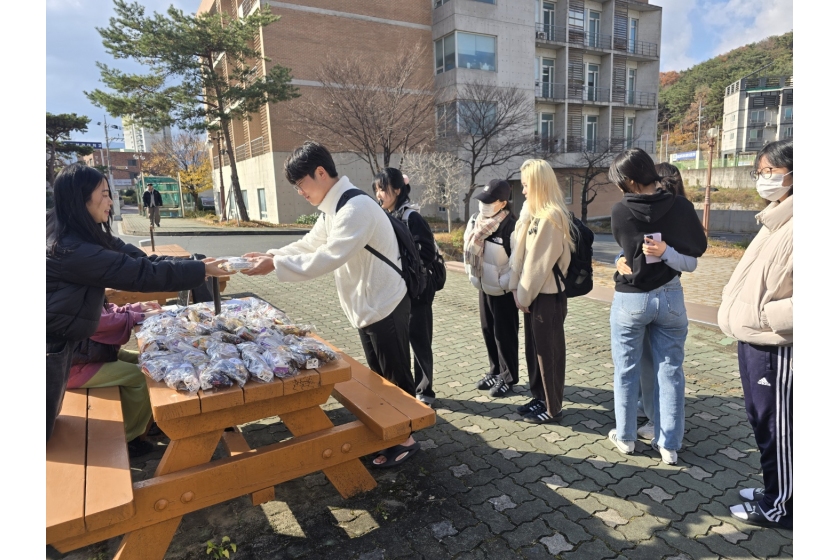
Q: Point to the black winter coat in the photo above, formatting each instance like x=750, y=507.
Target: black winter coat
x=147, y=198
x=77, y=275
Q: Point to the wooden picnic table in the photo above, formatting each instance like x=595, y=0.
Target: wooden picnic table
x=120, y=297
x=187, y=480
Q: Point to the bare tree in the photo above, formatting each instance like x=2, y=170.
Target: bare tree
x=489, y=127
x=184, y=154
x=442, y=176
x=370, y=109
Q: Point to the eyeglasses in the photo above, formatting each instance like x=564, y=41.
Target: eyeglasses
x=765, y=173
x=297, y=186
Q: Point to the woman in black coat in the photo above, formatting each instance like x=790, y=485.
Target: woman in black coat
x=83, y=258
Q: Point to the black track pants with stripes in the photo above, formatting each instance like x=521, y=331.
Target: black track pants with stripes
x=767, y=379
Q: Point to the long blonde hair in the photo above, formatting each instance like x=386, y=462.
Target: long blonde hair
x=545, y=199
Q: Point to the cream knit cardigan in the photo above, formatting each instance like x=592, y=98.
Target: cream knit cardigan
x=535, y=246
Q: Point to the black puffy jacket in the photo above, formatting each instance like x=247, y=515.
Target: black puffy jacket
x=79, y=272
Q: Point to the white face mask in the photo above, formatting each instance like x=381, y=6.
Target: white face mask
x=772, y=189
x=488, y=210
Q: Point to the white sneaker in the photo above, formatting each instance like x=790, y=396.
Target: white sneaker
x=646, y=431
x=668, y=457
x=625, y=447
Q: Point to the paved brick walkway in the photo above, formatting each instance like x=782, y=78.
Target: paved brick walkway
x=703, y=286
x=489, y=486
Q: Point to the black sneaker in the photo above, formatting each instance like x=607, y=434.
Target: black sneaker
x=500, y=388
x=529, y=407
x=540, y=416
x=139, y=448
x=487, y=382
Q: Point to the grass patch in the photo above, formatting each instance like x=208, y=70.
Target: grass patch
x=600, y=226
x=213, y=220
x=746, y=198
x=719, y=248
x=451, y=244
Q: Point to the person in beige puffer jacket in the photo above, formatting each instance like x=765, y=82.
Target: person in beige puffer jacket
x=757, y=310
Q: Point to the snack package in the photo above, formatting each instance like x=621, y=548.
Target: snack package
x=224, y=336
x=280, y=361
x=182, y=377
x=212, y=379
x=235, y=264
x=256, y=366
x=296, y=330
x=246, y=333
x=221, y=350
x=313, y=349
x=227, y=323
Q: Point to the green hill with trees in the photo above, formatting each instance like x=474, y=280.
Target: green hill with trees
x=680, y=92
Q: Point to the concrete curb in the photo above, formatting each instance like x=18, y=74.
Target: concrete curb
x=176, y=233
x=704, y=315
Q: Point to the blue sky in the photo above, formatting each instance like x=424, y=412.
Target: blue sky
x=692, y=31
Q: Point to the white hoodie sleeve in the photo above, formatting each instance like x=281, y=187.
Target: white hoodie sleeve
x=318, y=254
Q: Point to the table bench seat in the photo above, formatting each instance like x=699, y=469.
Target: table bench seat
x=88, y=478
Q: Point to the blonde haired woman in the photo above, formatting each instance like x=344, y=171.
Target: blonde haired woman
x=542, y=247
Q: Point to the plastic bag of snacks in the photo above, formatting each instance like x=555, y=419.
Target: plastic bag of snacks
x=226, y=337
x=235, y=264
x=256, y=366
x=296, y=330
x=312, y=349
x=280, y=361
x=182, y=377
x=221, y=350
x=211, y=378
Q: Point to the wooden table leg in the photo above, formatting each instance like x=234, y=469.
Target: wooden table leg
x=151, y=542
x=349, y=478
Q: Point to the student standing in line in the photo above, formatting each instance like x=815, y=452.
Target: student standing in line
x=757, y=311
x=541, y=252
x=372, y=295
x=650, y=298
x=673, y=183
x=393, y=194
x=487, y=262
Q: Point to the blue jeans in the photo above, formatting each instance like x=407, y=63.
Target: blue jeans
x=660, y=312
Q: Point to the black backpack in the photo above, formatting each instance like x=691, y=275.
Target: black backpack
x=413, y=271
x=578, y=279
x=435, y=270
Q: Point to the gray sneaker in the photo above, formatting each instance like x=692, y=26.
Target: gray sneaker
x=625, y=447
x=646, y=431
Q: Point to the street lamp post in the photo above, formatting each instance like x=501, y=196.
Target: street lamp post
x=104, y=123
x=707, y=202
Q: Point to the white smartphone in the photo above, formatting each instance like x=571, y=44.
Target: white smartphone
x=656, y=237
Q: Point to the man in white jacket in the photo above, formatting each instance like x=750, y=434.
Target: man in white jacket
x=372, y=295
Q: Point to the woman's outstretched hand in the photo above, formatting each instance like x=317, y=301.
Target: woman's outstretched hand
x=263, y=264
x=211, y=267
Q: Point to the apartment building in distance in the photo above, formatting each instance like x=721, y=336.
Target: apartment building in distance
x=139, y=138
x=591, y=67
x=757, y=110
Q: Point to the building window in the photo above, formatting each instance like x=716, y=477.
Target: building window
x=787, y=113
x=788, y=132
x=132, y=163
x=757, y=116
x=629, y=132
x=244, y=199
x=732, y=136
x=446, y=119
x=733, y=117
x=467, y=117
x=570, y=190
x=756, y=134
x=261, y=201
x=575, y=17
x=465, y=50
x=439, y=3
x=445, y=54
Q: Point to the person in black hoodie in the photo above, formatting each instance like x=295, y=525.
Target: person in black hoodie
x=650, y=298
x=392, y=192
x=83, y=258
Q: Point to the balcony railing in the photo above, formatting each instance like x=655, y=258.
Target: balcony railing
x=640, y=98
x=577, y=144
x=642, y=48
x=546, y=32
x=756, y=144
x=593, y=40
x=646, y=145
x=549, y=90
x=588, y=94
x=786, y=120
x=547, y=145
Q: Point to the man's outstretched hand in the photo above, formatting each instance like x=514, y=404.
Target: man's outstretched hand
x=263, y=264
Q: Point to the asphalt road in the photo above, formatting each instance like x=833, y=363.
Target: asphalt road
x=220, y=245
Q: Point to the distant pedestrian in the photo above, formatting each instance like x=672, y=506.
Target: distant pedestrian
x=541, y=251
x=392, y=191
x=487, y=250
x=648, y=219
x=153, y=201
x=757, y=311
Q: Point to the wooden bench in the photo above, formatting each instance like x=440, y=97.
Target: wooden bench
x=90, y=497
x=88, y=478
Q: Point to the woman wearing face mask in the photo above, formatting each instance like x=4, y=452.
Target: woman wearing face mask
x=649, y=301
x=392, y=192
x=487, y=262
x=542, y=249
x=757, y=311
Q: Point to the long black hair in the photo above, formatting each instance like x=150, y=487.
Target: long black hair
x=391, y=180
x=633, y=164
x=71, y=192
x=671, y=178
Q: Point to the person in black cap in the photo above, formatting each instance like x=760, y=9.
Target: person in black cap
x=487, y=261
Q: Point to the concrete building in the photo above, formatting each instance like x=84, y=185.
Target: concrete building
x=591, y=66
x=757, y=110
x=140, y=138
x=126, y=165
